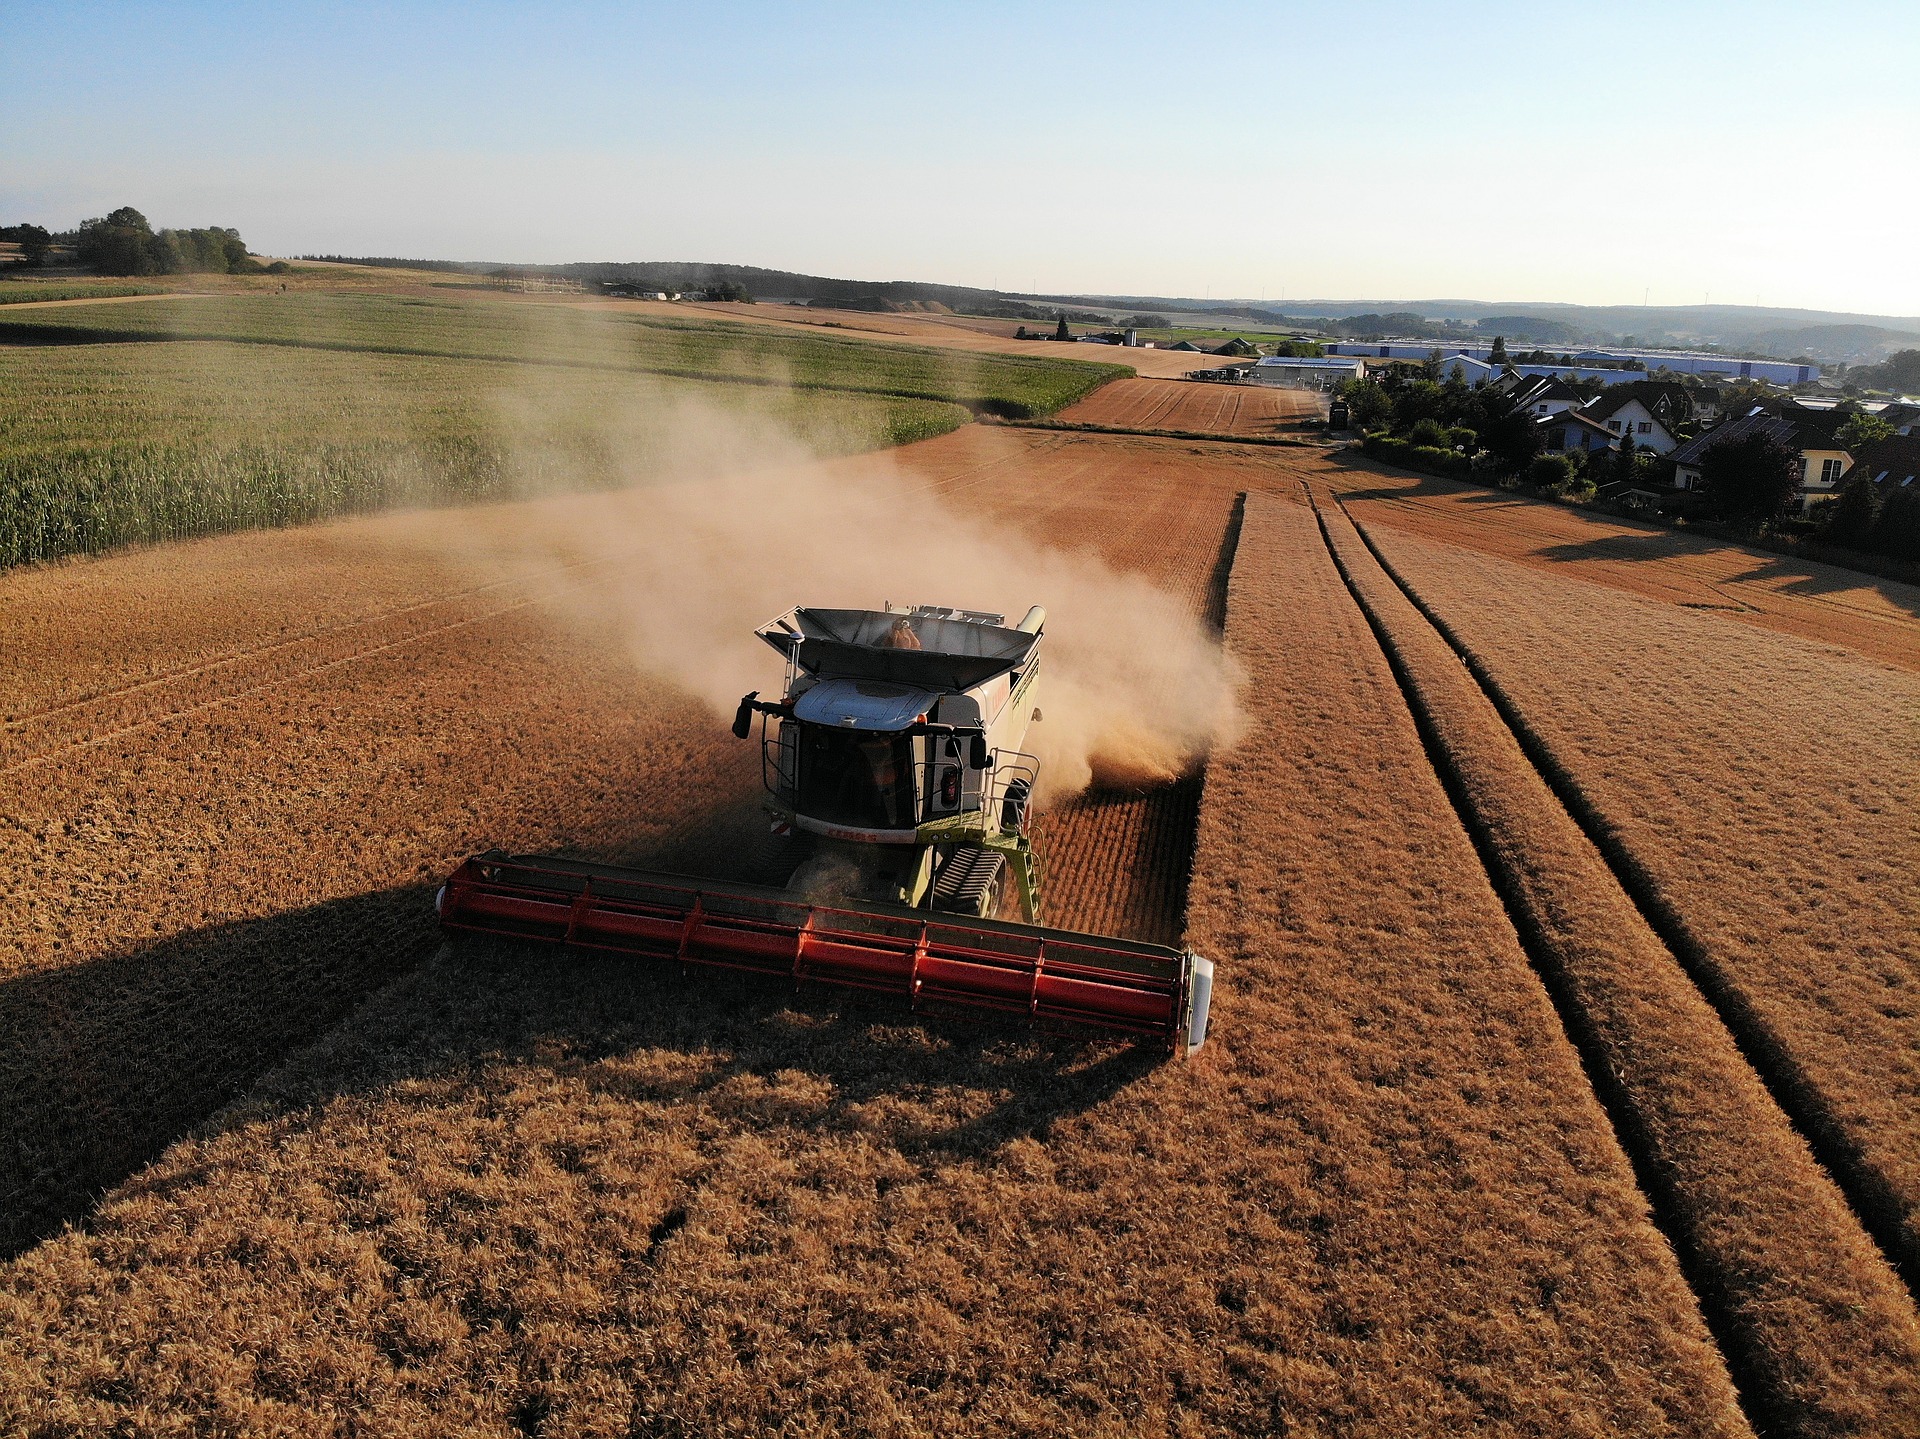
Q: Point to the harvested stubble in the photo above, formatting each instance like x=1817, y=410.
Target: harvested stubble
x=1764, y=793
x=1824, y=603
x=1145, y=404
x=226, y=806
x=1822, y=1333
x=573, y=1196
x=233, y=771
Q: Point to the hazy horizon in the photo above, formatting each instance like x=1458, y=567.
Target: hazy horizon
x=1300, y=154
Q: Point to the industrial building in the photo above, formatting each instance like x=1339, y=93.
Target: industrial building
x=1594, y=361
x=1304, y=374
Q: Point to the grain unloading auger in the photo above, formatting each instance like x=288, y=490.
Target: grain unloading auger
x=892, y=762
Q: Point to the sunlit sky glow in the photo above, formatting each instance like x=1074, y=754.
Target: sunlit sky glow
x=1595, y=153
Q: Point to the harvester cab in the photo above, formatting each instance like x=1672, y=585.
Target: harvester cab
x=893, y=760
x=894, y=756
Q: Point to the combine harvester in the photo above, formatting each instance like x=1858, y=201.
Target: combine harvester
x=893, y=762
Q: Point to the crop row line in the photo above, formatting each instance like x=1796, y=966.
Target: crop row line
x=1872, y=1200
x=107, y=737
x=238, y=656
x=1815, y=1328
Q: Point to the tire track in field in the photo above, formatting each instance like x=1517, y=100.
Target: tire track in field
x=1818, y=1330
x=355, y=656
x=1876, y=1207
x=244, y=654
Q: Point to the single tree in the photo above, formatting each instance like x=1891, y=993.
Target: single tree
x=33, y=241
x=1417, y=401
x=1752, y=479
x=1498, y=354
x=1061, y=332
x=1849, y=520
x=1862, y=430
x=1369, y=407
x=1626, y=459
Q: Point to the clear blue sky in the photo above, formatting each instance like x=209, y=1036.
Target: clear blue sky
x=1595, y=152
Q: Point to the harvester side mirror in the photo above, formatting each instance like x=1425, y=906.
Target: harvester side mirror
x=743, y=717
x=978, y=756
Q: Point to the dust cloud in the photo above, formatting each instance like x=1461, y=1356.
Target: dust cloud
x=730, y=520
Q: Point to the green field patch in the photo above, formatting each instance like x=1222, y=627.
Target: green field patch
x=1010, y=386
x=20, y=292
x=106, y=445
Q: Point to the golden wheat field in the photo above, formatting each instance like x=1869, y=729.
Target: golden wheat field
x=1559, y=873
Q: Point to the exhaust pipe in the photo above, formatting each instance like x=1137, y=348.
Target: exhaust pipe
x=1036, y=617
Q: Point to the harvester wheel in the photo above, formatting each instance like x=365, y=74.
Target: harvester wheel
x=969, y=882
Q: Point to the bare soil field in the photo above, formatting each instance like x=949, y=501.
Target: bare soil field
x=1191, y=405
x=516, y=1195
x=1821, y=1332
x=1714, y=753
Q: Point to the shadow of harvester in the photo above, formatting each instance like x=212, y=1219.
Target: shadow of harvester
x=109, y=1062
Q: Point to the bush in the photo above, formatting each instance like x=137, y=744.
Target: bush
x=1551, y=472
x=1849, y=520
x=1434, y=459
x=1461, y=438
x=1896, y=533
x=1429, y=434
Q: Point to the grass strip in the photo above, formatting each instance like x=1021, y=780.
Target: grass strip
x=1820, y=1331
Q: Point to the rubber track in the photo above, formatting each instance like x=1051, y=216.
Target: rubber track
x=1873, y=1203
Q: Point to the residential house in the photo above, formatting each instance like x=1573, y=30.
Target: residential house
x=1823, y=464
x=1568, y=430
x=1545, y=395
x=1652, y=411
x=1467, y=370
x=1904, y=417
x=1890, y=465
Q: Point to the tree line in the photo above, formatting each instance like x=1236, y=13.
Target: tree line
x=1750, y=481
x=122, y=242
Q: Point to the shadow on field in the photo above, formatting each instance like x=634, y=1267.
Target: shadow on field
x=1422, y=487
x=641, y=1030
x=1784, y=573
x=110, y=1061
x=106, y=1062
x=1813, y=577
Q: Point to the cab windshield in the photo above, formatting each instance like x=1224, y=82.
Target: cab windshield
x=861, y=780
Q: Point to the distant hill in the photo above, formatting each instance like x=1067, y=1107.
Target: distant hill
x=1830, y=337
x=1529, y=328
x=1852, y=344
